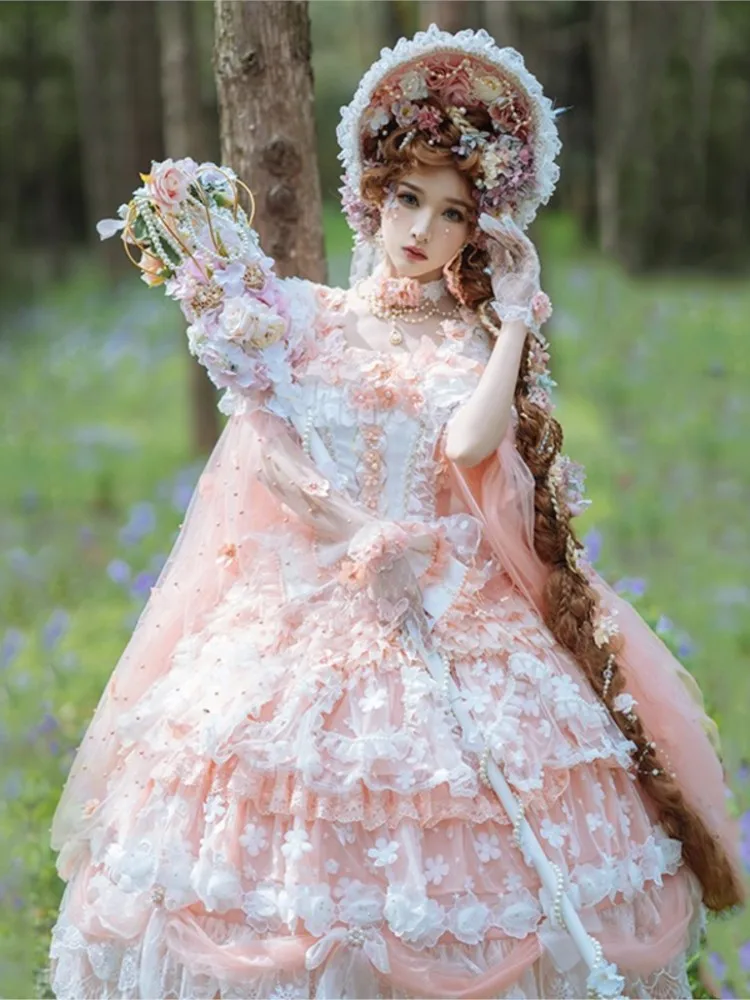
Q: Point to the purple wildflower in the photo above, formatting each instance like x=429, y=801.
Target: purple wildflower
x=181, y=495
x=55, y=628
x=13, y=785
x=744, y=954
x=663, y=625
x=118, y=571
x=48, y=724
x=141, y=522
x=686, y=647
x=13, y=642
x=634, y=585
x=718, y=965
x=141, y=586
x=593, y=545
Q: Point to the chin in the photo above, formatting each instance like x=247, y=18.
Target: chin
x=416, y=268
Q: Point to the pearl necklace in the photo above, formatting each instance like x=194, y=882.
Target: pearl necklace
x=395, y=314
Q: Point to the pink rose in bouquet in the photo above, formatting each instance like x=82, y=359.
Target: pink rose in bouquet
x=168, y=182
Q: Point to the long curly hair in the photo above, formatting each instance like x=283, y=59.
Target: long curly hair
x=570, y=603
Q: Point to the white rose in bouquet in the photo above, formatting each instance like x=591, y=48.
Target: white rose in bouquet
x=251, y=322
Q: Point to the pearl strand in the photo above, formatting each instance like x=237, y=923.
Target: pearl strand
x=608, y=671
x=242, y=232
x=150, y=219
x=402, y=314
x=559, y=889
x=446, y=678
x=307, y=431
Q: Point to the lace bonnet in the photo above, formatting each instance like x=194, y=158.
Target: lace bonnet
x=464, y=70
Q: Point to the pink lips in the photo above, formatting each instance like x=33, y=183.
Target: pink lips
x=414, y=253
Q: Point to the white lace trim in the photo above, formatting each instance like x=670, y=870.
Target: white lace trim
x=546, y=142
x=342, y=918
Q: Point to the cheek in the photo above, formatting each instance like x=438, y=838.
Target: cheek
x=452, y=237
x=394, y=219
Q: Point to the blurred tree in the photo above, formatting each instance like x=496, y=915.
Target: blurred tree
x=98, y=153
x=451, y=15
x=265, y=89
x=135, y=113
x=500, y=19
x=187, y=133
x=399, y=18
x=115, y=50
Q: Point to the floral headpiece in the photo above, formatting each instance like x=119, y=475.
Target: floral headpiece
x=437, y=76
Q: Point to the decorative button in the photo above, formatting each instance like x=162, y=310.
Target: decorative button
x=356, y=936
x=157, y=894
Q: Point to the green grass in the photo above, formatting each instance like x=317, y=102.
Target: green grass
x=652, y=397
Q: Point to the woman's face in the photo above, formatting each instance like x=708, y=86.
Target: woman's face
x=426, y=219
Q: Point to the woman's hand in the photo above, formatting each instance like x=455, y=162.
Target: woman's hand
x=515, y=273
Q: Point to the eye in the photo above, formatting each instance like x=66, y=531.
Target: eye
x=454, y=214
x=408, y=198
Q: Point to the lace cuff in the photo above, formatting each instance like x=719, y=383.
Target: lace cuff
x=532, y=315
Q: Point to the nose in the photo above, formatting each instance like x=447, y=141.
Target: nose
x=420, y=230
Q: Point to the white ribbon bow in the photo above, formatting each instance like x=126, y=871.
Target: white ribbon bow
x=370, y=941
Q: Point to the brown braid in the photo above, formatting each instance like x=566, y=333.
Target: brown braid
x=570, y=606
x=570, y=603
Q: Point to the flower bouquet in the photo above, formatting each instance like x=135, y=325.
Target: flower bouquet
x=196, y=240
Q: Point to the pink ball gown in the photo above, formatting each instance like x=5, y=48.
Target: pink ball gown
x=274, y=798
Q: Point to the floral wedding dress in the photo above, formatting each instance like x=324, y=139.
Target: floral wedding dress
x=285, y=806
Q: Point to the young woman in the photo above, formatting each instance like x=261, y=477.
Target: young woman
x=381, y=730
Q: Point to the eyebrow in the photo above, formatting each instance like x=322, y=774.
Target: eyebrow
x=454, y=201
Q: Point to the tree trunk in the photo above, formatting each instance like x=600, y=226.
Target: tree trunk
x=122, y=113
x=265, y=89
x=397, y=20
x=88, y=23
x=613, y=100
x=184, y=135
x=500, y=19
x=451, y=15
x=149, y=132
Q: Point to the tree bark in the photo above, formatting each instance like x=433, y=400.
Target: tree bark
x=185, y=135
x=265, y=89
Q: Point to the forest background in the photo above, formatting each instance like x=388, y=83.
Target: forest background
x=107, y=421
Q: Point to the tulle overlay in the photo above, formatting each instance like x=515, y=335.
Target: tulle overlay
x=274, y=798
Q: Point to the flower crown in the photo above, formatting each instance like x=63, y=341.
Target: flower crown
x=436, y=78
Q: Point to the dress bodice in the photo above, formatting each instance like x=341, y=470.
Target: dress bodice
x=381, y=414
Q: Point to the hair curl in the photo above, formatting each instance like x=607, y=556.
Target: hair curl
x=570, y=603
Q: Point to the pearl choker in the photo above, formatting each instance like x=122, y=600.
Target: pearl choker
x=405, y=300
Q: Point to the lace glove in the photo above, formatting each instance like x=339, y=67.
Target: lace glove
x=515, y=273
